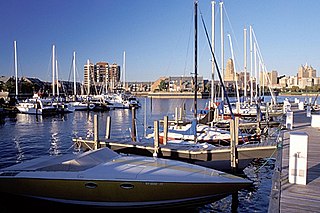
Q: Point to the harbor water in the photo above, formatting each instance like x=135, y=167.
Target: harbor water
x=25, y=137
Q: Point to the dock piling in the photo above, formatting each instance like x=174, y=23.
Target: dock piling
x=156, y=138
x=134, y=129
x=234, y=130
x=165, y=130
x=108, y=127
x=96, y=132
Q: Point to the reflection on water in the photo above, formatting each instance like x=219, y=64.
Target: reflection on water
x=27, y=136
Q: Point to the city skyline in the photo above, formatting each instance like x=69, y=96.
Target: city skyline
x=157, y=36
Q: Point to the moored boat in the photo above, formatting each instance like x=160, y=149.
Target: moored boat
x=103, y=178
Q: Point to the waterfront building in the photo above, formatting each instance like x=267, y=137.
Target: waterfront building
x=178, y=84
x=101, y=77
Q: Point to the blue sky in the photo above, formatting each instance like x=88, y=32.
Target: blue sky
x=157, y=35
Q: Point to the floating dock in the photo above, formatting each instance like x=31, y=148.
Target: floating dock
x=291, y=197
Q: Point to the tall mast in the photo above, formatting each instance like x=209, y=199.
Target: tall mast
x=53, y=70
x=89, y=73
x=255, y=69
x=234, y=69
x=16, y=66
x=222, y=47
x=74, y=74
x=245, y=63
x=195, y=65
x=124, y=70
x=212, y=45
x=251, y=69
x=57, y=78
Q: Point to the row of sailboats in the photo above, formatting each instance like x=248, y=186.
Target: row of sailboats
x=57, y=104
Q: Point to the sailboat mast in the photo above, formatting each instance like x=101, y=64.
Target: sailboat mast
x=251, y=67
x=195, y=65
x=245, y=63
x=53, y=70
x=124, y=70
x=212, y=45
x=74, y=74
x=222, y=46
x=58, y=94
x=89, y=73
x=16, y=66
x=234, y=69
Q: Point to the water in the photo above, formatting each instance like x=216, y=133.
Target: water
x=24, y=137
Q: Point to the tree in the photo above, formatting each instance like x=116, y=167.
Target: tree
x=163, y=86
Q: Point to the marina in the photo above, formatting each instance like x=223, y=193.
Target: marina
x=191, y=131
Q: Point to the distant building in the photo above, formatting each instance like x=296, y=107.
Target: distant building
x=269, y=78
x=178, y=84
x=306, y=72
x=101, y=76
x=229, y=76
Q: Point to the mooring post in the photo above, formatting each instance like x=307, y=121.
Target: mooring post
x=156, y=138
x=134, y=129
x=165, y=130
x=234, y=131
x=108, y=127
x=180, y=113
x=96, y=132
x=176, y=119
x=258, y=120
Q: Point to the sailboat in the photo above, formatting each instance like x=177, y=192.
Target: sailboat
x=103, y=178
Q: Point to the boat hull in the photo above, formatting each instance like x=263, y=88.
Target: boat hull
x=118, y=194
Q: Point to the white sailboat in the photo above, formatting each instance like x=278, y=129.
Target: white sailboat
x=36, y=106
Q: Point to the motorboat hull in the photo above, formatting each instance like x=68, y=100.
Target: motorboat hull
x=103, y=178
x=122, y=194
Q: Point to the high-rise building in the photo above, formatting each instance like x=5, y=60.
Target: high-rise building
x=101, y=77
x=306, y=72
x=229, y=76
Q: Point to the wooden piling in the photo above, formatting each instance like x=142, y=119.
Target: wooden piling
x=108, y=127
x=165, y=130
x=234, y=131
x=96, y=132
x=156, y=138
x=134, y=128
x=176, y=119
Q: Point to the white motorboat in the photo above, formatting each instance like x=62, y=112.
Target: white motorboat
x=103, y=178
x=37, y=106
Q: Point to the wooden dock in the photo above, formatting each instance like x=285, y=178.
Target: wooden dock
x=214, y=157
x=287, y=197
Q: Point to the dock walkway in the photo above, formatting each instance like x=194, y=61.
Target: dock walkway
x=287, y=197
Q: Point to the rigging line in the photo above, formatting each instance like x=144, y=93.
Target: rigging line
x=235, y=38
x=217, y=67
x=188, y=47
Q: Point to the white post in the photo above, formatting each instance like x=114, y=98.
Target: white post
x=222, y=48
x=298, y=157
x=245, y=63
x=251, y=69
x=212, y=45
x=16, y=66
x=53, y=70
x=74, y=74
